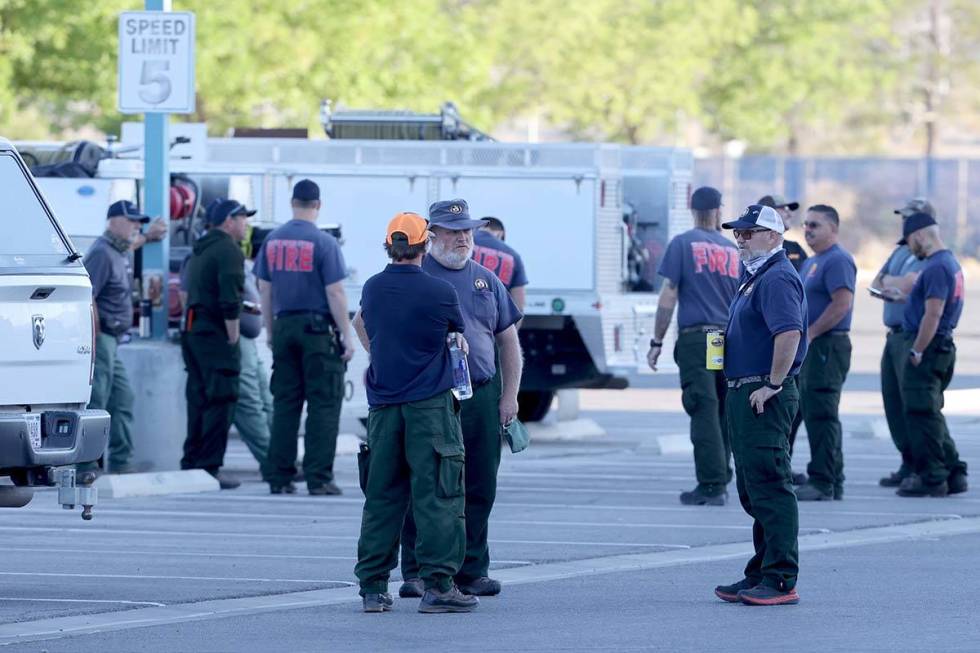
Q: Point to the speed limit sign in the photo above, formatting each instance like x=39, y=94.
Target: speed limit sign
x=156, y=62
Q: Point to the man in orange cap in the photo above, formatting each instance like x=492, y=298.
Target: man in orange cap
x=414, y=449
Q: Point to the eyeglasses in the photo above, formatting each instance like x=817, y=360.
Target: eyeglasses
x=746, y=234
x=812, y=225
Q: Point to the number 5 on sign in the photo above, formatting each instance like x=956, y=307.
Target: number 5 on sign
x=156, y=62
x=155, y=82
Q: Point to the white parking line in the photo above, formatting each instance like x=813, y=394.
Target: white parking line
x=209, y=554
x=60, y=627
x=50, y=600
x=152, y=577
x=295, y=536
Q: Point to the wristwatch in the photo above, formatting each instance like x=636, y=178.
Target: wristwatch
x=773, y=386
x=915, y=354
x=654, y=343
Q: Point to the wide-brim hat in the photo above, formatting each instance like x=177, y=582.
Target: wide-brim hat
x=453, y=215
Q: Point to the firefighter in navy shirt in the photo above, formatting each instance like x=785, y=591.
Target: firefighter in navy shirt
x=301, y=273
x=765, y=344
x=491, y=318
x=701, y=271
x=932, y=312
x=415, y=447
x=490, y=251
x=829, y=278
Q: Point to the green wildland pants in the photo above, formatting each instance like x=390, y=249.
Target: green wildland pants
x=703, y=397
x=821, y=380
x=764, y=480
x=112, y=393
x=480, y=419
x=414, y=461
x=306, y=367
x=933, y=450
x=212, y=390
x=892, y=363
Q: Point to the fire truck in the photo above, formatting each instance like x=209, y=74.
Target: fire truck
x=590, y=220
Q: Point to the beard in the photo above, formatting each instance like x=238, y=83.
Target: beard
x=449, y=257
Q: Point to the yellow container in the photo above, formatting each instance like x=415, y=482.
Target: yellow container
x=715, y=359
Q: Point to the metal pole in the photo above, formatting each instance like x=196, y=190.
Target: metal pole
x=156, y=202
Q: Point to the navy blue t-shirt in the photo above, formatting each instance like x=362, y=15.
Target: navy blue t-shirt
x=823, y=274
x=299, y=261
x=487, y=310
x=941, y=278
x=500, y=258
x=704, y=266
x=768, y=303
x=407, y=315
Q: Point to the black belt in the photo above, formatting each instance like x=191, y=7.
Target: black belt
x=838, y=334
x=301, y=312
x=702, y=328
x=480, y=384
x=745, y=380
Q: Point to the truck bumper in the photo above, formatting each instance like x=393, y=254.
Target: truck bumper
x=65, y=437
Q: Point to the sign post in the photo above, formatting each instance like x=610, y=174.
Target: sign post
x=156, y=77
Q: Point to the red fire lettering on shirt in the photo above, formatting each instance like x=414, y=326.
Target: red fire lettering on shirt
x=289, y=255
x=500, y=263
x=305, y=256
x=717, y=258
x=699, y=250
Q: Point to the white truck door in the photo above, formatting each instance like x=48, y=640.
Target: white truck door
x=548, y=220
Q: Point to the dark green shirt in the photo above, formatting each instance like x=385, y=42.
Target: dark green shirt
x=215, y=281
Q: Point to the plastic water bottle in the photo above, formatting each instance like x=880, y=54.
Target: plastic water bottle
x=462, y=387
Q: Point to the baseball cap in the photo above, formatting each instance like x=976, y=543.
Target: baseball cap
x=916, y=221
x=411, y=225
x=306, y=190
x=221, y=209
x=778, y=202
x=705, y=199
x=453, y=215
x=126, y=209
x=757, y=216
x=916, y=205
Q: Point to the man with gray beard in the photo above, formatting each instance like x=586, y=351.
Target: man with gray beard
x=489, y=316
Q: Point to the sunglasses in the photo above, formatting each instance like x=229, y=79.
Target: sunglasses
x=746, y=234
x=812, y=225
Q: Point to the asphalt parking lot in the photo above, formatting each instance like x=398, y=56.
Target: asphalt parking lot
x=594, y=549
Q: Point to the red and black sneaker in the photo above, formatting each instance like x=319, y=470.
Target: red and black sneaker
x=730, y=592
x=765, y=595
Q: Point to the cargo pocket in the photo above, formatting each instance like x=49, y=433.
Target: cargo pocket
x=450, y=462
x=223, y=385
x=363, y=462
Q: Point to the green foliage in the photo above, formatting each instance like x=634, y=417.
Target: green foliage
x=642, y=71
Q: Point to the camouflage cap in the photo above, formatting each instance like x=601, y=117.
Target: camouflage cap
x=916, y=205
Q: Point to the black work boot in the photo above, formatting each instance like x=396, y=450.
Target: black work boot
x=412, y=588
x=839, y=492
x=482, y=586
x=434, y=601
x=377, y=602
x=328, y=489
x=957, y=483
x=730, y=592
x=288, y=488
x=765, y=595
x=811, y=492
x=705, y=495
x=914, y=487
x=225, y=482
x=895, y=478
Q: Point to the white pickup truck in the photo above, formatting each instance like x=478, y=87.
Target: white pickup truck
x=46, y=349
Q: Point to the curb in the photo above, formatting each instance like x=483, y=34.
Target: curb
x=119, y=486
x=573, y=429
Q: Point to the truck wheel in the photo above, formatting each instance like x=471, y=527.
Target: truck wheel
x=533, y=405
